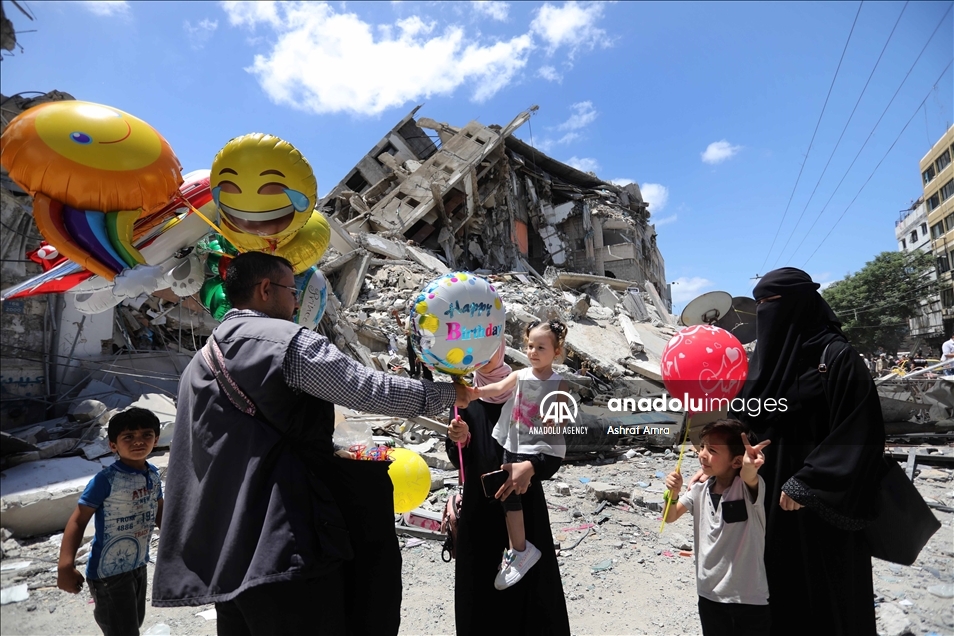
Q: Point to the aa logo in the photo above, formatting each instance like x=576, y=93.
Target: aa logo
x=554, y=410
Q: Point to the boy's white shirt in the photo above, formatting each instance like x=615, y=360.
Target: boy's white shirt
x=730, y=565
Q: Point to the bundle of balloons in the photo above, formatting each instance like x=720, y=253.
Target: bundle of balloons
x=109, y=196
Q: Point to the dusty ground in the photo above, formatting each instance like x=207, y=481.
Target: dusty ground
x=648, y=587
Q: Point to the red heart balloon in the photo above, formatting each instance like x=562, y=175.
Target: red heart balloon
x=704, y=363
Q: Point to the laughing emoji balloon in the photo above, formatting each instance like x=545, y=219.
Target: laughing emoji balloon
x=266, y=192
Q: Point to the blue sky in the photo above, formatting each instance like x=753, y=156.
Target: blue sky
x=710, y=107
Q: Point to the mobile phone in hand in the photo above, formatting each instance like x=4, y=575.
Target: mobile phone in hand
x=493, y=481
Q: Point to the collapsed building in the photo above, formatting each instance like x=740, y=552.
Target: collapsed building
x=483, y=199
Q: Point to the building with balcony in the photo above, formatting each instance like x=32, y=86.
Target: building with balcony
x=937, y=175
x=912, y=232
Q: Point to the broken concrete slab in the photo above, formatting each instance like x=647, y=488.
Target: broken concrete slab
x=633, y=302
x=661, y=307
x=423, y=258
x=631, y=335
x=382, y=246
x=603, y=295
x=575, y=280
x=341, y=239
x=39, y=497
x=605, y=492
x=644, y=368
x=351, y=279
x=597, y=345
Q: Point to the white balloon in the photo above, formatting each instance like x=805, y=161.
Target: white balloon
x=314, y=297
x=456, y=323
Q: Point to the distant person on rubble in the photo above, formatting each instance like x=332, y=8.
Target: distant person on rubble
x=947, y=355
x=126, y=500
x=536, y=606
x=262, y=518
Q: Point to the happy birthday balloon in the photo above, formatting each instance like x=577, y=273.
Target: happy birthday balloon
x=411, y=478
x=456, y=323
x=704, y=363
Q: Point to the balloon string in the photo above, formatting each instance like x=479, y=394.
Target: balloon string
x=682, y=452
x=460, y=456
x=201, y=216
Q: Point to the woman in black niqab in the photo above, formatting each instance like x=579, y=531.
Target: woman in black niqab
x=825, y=459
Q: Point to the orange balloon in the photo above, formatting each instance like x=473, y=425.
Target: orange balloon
x=90, y=157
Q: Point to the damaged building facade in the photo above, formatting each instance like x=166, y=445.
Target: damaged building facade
x=484, y=200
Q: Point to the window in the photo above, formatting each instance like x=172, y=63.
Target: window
x=904, y=245
x=356, y=183
x=924, y=229
x=928, y=174
x=937, y=230
x=948, y=222
x=914, y=237
x=943, y=265
x=947, y=297
x=943, y=161
x=947, y=190
x=934, y=201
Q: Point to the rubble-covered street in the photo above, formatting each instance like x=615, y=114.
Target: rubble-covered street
x=621, y=569
x=555, y=242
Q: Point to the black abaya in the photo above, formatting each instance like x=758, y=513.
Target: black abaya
x=536, y=604
x=825, y=454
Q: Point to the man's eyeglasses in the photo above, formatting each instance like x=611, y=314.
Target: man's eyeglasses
x=293, y=290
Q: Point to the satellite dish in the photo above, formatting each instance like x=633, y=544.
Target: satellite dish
x=706, y=309
x=740, y=320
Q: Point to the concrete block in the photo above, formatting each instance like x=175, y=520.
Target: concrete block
x=631, y=335
x=422, y=257
x=39, y=497
x=382, y=246
x=605, y=492
x=603, y=295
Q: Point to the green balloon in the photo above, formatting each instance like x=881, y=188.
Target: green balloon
x=213, y=298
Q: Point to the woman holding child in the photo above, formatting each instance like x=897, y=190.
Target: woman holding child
x=529, y=593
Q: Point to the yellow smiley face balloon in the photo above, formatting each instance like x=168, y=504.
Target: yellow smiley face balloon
x=90, y=157
x=265, y=193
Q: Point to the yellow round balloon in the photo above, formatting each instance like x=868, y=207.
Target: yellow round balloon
x=411, y=478
x=265, y=193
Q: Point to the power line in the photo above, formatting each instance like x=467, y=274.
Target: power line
x=877, y=123
x=840, y=137
x=868, y=180
x=810, y=143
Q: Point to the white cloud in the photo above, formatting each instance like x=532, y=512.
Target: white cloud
x=572, y=26
x=323, y=61
x=719, y=151
x=656, y=195
x=252, y=13
x=583, y=115
x=107, y=7
x=200, y=34
x=550, y=74
x=495, y=10
x=685, y=289
x=666, y=220
x=586, y=164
